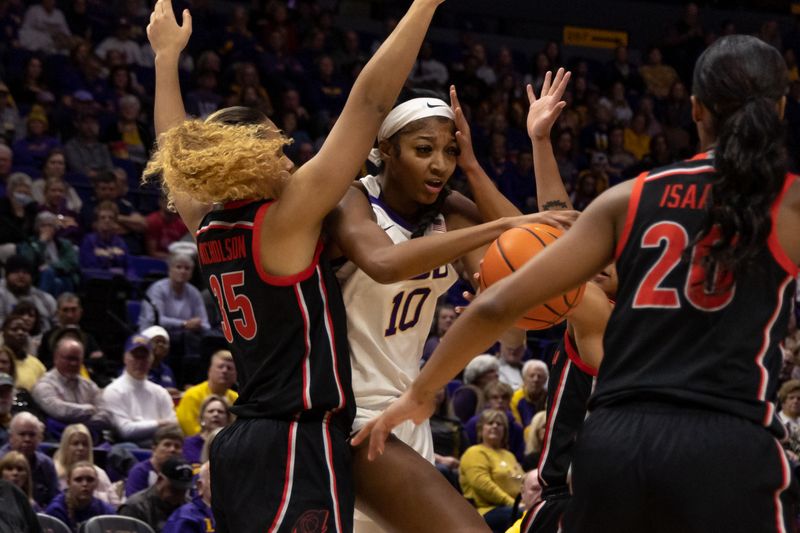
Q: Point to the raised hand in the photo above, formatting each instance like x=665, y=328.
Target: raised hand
x=163, y=32
x=544, y=110
x=466, y=156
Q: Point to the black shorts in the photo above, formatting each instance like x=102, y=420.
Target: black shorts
x=275, y=476
x=546, y=517
x=656, y=468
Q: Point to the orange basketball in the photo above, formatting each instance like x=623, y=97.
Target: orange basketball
x=509, y=252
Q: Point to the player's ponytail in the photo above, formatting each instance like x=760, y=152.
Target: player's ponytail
x=741, y=81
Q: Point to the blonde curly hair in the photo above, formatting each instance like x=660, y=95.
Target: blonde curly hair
x=217, y=162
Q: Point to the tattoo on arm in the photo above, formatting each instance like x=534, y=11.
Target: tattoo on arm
x=554, y=204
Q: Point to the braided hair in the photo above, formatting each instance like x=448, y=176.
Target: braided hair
x=741, y=80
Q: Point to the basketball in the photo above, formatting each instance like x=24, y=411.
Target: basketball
x=513, y=249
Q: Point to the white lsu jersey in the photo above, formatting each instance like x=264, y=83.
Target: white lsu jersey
x=387, y=325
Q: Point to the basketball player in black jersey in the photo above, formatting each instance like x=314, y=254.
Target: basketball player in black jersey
x=574, y=364
x=284, y=465
x=682, y=434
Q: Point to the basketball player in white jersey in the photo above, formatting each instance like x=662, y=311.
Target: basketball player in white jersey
x=390, y=283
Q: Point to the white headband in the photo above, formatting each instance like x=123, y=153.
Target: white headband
x=408, y=112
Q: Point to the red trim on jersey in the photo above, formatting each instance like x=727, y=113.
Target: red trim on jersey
x=550, y=419
x=326, y=436
x=774, y=245
x=702, y=155
x=575, y=357
x=331, y=338
x=301, y=304
x=676, y=171
x=780, y=525
x=238, y=203
x=530, y=518
x=288, y=479
x=633, y=205
x=767, y=334
x=281, y=281
x=225, y=226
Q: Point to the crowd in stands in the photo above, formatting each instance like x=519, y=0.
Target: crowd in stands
x=91, y=425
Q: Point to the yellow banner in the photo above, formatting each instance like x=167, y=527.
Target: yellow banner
x=594, y=38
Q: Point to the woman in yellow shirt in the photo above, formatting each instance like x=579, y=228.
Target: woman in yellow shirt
x=490, y=475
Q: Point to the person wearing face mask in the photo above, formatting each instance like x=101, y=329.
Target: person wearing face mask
x=17, y=212
x=55, y=258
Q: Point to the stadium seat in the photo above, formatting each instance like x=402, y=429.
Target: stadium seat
x=452, y=387
x=51, y=524
x=84, y=191
x=77, y=179
x=32, y=172
x=117, y=524
x=132, y=170
x=143, y=267
x=134, y=307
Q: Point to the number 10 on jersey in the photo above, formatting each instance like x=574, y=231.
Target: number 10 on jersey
x=402, y=317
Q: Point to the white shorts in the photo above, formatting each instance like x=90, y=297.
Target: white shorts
x=417, y=436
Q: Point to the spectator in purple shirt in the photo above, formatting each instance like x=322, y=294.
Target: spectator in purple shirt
x=103, y=248
x=32, y=149
x=167, y=442
x=195, y=516
x=77, y=503
x=215, y=413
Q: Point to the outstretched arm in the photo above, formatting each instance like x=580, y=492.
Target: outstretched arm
x=364, y=242
x=168, y=41
x=490, y=201
x=317, y=186
x=571, y=260
x=542, y=114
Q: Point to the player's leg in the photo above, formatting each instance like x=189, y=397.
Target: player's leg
x=403, y=492
x=546, y=517
x=717, y=472
x=246, y=484
x=323, y=496
x=661, y=468
x=608, y=490
x=278, y=476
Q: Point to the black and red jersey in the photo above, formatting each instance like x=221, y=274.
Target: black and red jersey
x=567, y=395
x=672, y=336
x=288, y=334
